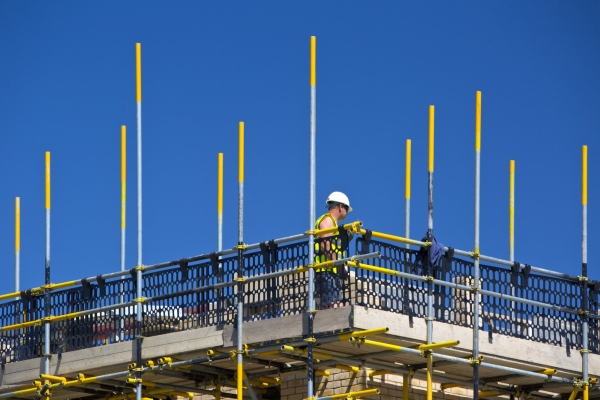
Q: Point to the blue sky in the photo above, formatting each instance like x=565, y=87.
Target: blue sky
x=67, y=84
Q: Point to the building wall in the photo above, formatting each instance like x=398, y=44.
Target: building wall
x=293, y=386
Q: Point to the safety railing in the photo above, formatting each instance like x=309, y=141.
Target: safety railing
x=497, y=315
x=191, y=295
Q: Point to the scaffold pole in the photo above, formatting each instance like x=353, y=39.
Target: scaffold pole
x=407, y=193
x=138, y=74
x=311, y=209
x=584, y=273
x=475, y=284
x=47, y=270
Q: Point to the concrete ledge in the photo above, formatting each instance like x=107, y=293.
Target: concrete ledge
x=289, y=326
x=503, y=348
x=113, y=357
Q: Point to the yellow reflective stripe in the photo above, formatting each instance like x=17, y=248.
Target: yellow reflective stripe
x=323, y=258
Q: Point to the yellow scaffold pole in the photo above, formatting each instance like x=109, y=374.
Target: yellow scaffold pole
x=240, y=286
x=407, y=193
x=17, y=244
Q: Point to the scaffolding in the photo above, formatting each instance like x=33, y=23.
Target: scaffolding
x=275, y=279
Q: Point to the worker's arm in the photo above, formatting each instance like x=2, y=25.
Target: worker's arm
x=327, y=223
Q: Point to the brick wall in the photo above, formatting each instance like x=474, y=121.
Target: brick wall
x=293, y=386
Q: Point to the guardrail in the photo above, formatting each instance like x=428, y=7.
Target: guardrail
x=202, y=293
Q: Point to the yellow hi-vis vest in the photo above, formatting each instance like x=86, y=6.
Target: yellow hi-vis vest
x=320, y=256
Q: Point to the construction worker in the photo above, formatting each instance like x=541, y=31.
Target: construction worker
x=328, y=247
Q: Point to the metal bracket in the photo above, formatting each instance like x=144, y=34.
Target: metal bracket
x=183, y=267
x=429, y=278
x=583, y=278
x=475, y=289
x=139, y=268
x=477, y=361
x=584, y=351
x=139, y=299
x=240, y=280
x=474, y=255
x=242, y=247
x=311, y=340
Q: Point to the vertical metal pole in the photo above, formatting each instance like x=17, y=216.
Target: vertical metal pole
x=407, y=193
x=511, y=213
x=17, y=244
x=123, y=219
x=584, y=301
x=475, y=286
x=220, y=205
x=311, y=209
x=219, y=235
x=138, y=70
x=47, y=270
x=511, y=235
x=18, y=257
x=430, y=272
x=240, y=286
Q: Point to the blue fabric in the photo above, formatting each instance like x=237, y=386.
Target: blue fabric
x=433, y=254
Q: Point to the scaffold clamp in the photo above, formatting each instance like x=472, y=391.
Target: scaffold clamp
x=474, y=255
x=476, y=361
x=242, y=247
x=310, y=340
x=583, y=278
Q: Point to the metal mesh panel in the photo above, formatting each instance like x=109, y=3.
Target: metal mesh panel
x=287, y=295
x=189, y=311
x=385, y=292
x=529, y=322
x=273, y=297
x=95, y=329
x=26, y=343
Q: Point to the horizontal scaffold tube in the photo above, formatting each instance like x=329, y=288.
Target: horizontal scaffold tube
x=470, y=254
x=354, y=226
x=459, y=360
x=304, y=268
x=396, y=369
x=205, y=256
x=549, y=378
x=86, y=380
x=320, y=339
x=349, y=395
x=464, y=288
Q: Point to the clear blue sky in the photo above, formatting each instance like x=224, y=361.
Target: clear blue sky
x=67, y=84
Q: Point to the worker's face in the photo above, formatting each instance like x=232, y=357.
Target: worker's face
x=343, y=211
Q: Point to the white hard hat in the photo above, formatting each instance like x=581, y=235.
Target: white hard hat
x=338, y=197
